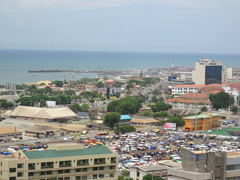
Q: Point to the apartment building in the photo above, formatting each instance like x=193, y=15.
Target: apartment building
x=66, y=162
x=185, y=89
x=205, y=165
x=204, y=122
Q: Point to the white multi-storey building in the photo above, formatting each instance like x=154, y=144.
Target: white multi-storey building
x=185, y=89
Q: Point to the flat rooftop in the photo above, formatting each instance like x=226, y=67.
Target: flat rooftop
x=66, y=153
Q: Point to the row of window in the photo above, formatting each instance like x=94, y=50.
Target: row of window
x=84, y=162
x=85, y=177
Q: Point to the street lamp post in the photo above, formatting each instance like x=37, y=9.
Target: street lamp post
x=196, y=111
x=238, y=109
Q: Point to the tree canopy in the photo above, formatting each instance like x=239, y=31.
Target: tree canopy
x=151, y=177
x=111, y=119
x=127, y=105
x=160, y=106
x=221, y=100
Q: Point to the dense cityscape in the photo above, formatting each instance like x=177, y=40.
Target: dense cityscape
x=176, y=123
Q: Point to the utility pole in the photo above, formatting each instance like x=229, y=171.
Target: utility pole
x=196, y=111
x=238, y=110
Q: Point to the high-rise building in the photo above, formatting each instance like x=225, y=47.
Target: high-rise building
x=207, y=72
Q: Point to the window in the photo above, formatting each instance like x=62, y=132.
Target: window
x=101, y=168
x=47, y=165
x=42, y=173
x=31, y=166
x=67, y=178
x=78, y=170
x=20, y=166
x=83, y=162
x=84, y=169
x=31, y=174
x=65, y=163
x=49, y=172
x=20, y=174
x=12, y=178
x=101, y=176
x=95, y=176
x=67, y=171
x=113, y=160
x=84, y=177
x=78, y=177
x=100, y=161
x=60, y=171
x=111, y=175
x=12, y=170
x=112, y=167
x=95, y=169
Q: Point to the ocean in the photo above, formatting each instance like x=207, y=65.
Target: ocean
x=14, y=64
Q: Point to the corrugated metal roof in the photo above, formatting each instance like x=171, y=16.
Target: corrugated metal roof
x=66, y=153
x=43, y=113
x=124, y=117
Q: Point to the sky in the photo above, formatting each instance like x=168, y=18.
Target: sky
x=183, y=26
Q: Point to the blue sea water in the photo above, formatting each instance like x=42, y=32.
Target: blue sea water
x=14, y=64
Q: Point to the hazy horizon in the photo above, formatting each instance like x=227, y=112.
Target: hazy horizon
x=160, y=26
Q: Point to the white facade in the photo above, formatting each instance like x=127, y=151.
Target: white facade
x=200, y=70
x=229, y=72
x=185, y=89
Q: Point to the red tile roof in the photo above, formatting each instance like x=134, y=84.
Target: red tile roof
x=212, y=87
x=234, y=85
x=215, y=92
x=188, y=86
x=187, y=101
x=195, y=96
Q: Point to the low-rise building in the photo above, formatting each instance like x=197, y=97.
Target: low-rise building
x=184, y=89
x=143, y=121
x=138, y=172
x=204, y=122
x=7, y=133
x=125, y=120
x=66, y=162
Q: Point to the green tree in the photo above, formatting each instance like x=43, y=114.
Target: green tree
x=111, y=119
x=127, y=128
x=204, y=109
x=100, y=84
x=234, y=109
x=176, y=119
x=118, y=94
x=156, y=92
x=112, y=106
x=161, y=114
x=146, y=113
x=48, y=90
x=85, y=107
x=75, y=107
x=5, y=104
x=221, y=100
x=154, y=99
x=151, y=177
x=129, y=86
x=69, y=92
x=160, y=106
x=58, y=83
